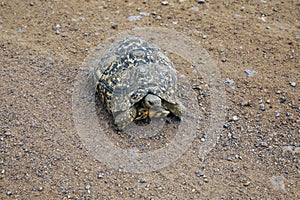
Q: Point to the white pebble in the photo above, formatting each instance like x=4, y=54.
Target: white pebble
x=235, y=118
x=134, y=18
x=165, y=3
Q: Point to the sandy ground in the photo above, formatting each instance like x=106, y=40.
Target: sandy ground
x=42, y=46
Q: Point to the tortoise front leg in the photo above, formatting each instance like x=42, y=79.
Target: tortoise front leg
x=123, y=119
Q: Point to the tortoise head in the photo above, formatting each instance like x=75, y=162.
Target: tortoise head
x=151, y=106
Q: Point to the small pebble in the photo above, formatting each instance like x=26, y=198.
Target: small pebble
x=194, y=9
x=224, y=59
x=21, y=30
x=226, y=126
x=56, y=27
x=197, y=87
x=229, y=81
x=277, y=115
x=282, y=100
x=201, y=1
x=142, y=181
x=87, y=187
x=7, y=133
x=237, y=16
x=204, y=36
x=235, y=118
x=288, y=114
x=247, y=183
x=229, y=158
x=233, y=136
x=49, y=59
x=245, y=103
x=262, y=108
x=165, y=3
x=146, y=14
x=64, y=191
x=100, y=175
x=9, y=193
x=205, y=95
x=198, y=174
x=250, y=72
x=233, y=169
x=263, y=144
x=134, y=18
x=293, y=84
x=114, y=26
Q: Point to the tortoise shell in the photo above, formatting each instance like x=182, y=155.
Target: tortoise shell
x=131, y=69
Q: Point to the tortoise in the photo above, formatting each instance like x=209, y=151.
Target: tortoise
x=136, y=80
